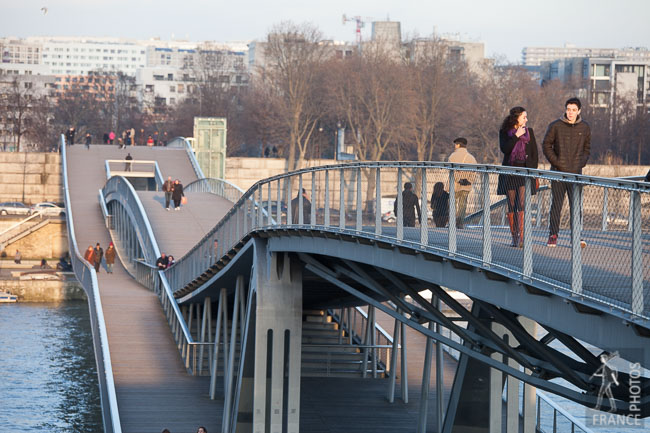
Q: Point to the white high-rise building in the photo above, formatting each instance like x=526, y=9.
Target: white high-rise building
x=79, y=56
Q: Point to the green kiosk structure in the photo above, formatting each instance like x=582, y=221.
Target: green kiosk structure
x=210, y=145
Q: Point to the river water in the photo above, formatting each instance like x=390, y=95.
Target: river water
x=48, y=377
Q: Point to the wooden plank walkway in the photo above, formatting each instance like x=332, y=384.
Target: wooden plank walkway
x=153, y=389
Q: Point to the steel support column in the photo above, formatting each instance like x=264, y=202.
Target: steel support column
x=278, y=331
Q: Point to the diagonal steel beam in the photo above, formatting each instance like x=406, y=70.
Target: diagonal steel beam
x=328, y=275
x=525, y=339
x=438, y=317
x=483, y=330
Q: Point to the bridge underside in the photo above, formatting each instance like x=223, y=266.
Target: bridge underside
x=494, y=329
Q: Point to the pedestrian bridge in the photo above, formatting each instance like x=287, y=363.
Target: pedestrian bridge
x=253, y=270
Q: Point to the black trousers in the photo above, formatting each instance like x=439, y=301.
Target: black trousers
x=168, y=196
x=558, y=191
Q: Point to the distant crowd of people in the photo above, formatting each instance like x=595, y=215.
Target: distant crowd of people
x=128, y=137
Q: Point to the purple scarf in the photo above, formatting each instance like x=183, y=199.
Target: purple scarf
x=518, y=154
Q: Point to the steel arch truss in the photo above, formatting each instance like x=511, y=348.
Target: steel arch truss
x=398, y=296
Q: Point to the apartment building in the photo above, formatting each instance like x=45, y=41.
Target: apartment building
x=603, y=81
x=535, y=56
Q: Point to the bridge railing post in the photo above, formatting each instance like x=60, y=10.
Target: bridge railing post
x=452, y=212
x=314, y=199
x=424, y=208
x=636, y=255
x=378, y=209
x=576, y=234
x=359, y=225
x=301, y=200
x=327, y=198
x=486, y=219
x=527, y=265
x=399, y=222
x=342, y=199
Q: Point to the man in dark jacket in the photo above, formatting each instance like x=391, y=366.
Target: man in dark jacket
x=409, y=202
x=99, y=252
x=69, y=136
x=567, y=146
x=162, y=262
x=306, y=209
x=167, y=188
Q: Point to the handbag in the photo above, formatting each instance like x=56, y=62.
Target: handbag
x=184, y=200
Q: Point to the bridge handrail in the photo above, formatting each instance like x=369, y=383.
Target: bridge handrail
x=190, y=154
x=222, y=188
x=156, y=168
x=124, y=191
x=21, y=222
x=245, y=218
x=86, y=275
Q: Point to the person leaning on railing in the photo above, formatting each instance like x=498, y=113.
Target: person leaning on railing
x=519, y=147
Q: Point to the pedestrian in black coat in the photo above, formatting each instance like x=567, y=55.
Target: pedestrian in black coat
x=177, y=194
x=410, y=203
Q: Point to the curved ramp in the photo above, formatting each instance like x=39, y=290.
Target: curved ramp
x=153, y=388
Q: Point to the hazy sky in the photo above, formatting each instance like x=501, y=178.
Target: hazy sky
x=504, y=26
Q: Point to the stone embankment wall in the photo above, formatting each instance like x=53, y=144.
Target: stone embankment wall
x=244, y=172
x=44, y=290
x=49, y=241
x=30, y=177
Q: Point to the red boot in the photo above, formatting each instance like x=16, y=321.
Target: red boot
x=520, y=219
x=513, y=230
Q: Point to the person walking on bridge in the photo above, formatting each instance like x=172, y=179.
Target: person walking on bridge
x=89, y=255
x=167, y=189
x=463, y=179
x=567, y=145
x=519, y=147
x=88, y=139
x=410, y=203
x=110, y=258
x=69, y=136
x=306, y=209
x=97, y=257
x=128, y=159
x=177, y=194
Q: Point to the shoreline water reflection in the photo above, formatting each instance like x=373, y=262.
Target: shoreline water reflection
x=47, y=365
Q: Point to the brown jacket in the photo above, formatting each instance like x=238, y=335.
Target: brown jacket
x=110, y=255
x=90, y=255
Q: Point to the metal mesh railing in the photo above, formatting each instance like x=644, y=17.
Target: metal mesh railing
x=86, y=275
x=614, y=221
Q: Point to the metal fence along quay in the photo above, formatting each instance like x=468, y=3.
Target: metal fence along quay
x=612, y=272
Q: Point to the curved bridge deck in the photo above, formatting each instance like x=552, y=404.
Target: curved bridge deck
x=153, y=388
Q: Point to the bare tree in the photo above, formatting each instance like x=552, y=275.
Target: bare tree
x=436, y=82
x=294, y=54
x=16, y=102
x=371, y=95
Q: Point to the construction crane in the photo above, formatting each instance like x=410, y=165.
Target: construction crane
x=360, y=24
